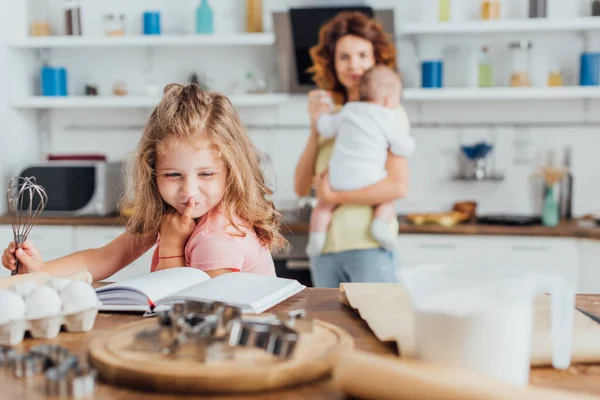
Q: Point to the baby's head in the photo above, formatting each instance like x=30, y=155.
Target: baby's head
x=381, y=85
x=194, y=146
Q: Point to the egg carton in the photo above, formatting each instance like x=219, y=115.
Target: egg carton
x=13, y=332
x=50, y=313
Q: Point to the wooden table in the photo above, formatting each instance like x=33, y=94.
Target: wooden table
x=320, y=303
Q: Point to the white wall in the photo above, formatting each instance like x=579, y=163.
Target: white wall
x=279, y=131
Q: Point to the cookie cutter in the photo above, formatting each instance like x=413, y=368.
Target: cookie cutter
x=64, y=374
x=211, y=331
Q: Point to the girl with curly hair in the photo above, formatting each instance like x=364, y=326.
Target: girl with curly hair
x=196, y=191
x=349, y=45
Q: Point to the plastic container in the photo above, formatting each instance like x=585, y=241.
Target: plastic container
x=151, y=24
x=485, y=314
x=13, y=332
x=432, y=74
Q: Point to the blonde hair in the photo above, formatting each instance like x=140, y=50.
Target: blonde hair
x=187, y=113
x=379, y=82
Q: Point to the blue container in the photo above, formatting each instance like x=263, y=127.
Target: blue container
x=590, y=69
x=204, y=18
x=152, y=23
x=53, y=81
x=432, y=74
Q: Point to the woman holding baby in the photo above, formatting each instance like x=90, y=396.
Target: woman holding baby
x=352, y=226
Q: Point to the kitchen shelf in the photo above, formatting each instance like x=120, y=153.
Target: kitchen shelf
x=502, y=26
x=503, y=93
x=74, y=102
x=241, y=39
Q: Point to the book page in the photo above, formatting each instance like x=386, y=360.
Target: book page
x=154, y=286
x=251, y=292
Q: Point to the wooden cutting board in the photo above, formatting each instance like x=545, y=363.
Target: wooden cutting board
x=314, y=358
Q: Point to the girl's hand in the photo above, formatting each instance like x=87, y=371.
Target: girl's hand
x=324, y=193
x=29, y=257
x=319, y=101
x=176, y=229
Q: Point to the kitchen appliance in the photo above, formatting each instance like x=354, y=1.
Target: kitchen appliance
x=293, y=263
x=76, y=188
x=297, y=30
x=509, y=219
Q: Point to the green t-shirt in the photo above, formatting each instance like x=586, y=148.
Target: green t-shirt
x=350, y=224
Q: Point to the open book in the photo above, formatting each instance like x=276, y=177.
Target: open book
x=253, y=293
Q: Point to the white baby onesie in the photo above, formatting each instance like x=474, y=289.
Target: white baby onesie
x=364, y=132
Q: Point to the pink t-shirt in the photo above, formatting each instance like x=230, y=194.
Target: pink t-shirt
x=215, y=244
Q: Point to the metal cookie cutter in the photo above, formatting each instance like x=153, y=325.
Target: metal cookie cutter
x=212, y=331
x=64, y=374
x=193, y=328
x=278, y=340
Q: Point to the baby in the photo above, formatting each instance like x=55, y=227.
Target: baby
x=364, y=131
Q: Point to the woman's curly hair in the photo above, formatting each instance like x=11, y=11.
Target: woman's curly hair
x=323, y=54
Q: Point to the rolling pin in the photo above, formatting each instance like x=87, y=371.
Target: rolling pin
x=41, y=277
x=370, y=376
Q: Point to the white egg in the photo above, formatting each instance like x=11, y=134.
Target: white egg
x=78, y=296
x=58, y=283
x=12, y=307
x=23, y=288
x=42, y=302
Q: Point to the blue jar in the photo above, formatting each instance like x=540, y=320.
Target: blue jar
x=151, y=23
x=53, y=81
x=432, y=74
x=204, y=18
x=590, y=69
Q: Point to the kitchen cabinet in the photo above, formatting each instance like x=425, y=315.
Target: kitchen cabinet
x=578, y=260
x=87, y=237
x=589, y=266
x=55, y=241
x=52, y=241
x=557, y=255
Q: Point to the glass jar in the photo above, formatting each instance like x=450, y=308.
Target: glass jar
x=555, y=78
x=486, y=73
x=521, y=63
x=490, y=9
x=40, y=24
x=114, y=25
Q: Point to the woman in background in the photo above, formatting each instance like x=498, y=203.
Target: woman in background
x=349, y=45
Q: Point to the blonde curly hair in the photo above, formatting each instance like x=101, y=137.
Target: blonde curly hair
x=190, y=114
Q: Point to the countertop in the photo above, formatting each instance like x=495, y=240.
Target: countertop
x=571, y=228
x=323, y=304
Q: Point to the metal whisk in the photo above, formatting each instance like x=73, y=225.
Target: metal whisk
x=25, y=200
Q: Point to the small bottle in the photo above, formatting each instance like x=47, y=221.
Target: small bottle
x=486, y=72
x=204, y=18
x=566, y=188
x=445, y=8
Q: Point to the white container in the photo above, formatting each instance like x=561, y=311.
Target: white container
x=480, y=319
x=13, y=332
